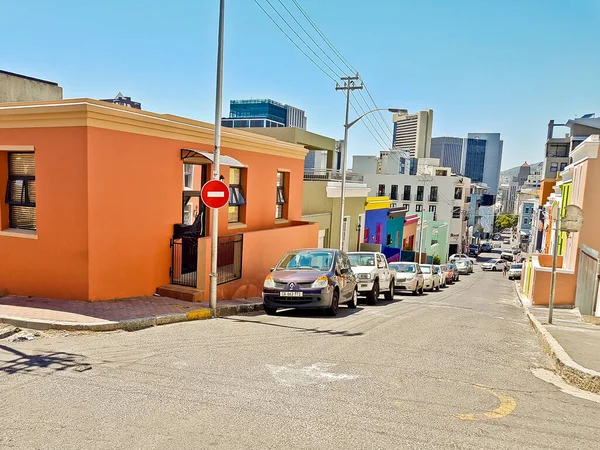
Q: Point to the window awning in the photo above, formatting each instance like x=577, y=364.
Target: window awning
x=191, y=156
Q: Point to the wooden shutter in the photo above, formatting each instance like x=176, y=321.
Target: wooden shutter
x=21, y=174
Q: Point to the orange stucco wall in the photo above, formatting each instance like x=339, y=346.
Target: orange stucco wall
x=56, y=263
x=262, y=250
x=546, y=188
x=107, y=201
x=566, y=284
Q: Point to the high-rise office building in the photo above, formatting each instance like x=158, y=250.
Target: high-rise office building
x=121, y=100
x=482, y=157
x=449, y=150
x=412, y=133
x=263, y=113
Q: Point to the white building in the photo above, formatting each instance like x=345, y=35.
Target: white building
x=412, y=132
x=434, y=189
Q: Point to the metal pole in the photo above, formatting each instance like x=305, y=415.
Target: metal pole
x=214, y=222
x=554, y=258
x=344, y=167
x=420, y=259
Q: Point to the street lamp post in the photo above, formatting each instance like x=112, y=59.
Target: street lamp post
x=344, y=151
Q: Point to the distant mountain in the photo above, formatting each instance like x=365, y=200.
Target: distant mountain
x=513, y=172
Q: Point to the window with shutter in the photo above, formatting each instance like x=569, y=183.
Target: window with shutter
x=20, y=191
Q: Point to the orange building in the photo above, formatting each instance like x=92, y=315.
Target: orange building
x=92, y=195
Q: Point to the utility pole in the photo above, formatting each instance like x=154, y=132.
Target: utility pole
x=349, y=85
x=214, y=216
x=424, y=179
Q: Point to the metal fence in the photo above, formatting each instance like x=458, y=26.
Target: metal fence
x=229, y=258
x=184, y=265
x=330, y=174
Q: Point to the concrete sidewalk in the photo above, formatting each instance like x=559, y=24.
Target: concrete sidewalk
x=573, y=344
x=127, y=314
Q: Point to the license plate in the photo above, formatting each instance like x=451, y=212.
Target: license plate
x=291, y=293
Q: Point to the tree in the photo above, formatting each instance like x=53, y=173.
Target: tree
x=506, y=221
x=436, y=260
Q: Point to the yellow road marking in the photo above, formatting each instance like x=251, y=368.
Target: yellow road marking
x=507, y=406
x=199, y=314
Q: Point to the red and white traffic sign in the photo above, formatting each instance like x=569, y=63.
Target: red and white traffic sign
x=215, y=194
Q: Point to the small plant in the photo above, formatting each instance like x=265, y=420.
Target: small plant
x=2, y=293
x=436, y=260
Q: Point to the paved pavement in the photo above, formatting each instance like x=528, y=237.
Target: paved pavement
x=580, y=340
x=460, y=368
x=42, y=313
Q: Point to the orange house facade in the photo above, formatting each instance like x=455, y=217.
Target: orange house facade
x=99, y=202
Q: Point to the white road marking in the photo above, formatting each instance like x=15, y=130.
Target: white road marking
x=215, y=194
x=295, y=374
x=552, y=378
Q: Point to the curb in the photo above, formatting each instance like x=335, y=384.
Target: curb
x=131, y=324
x=8, y=332
x=573, y=373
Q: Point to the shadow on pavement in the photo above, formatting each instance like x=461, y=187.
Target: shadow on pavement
x=24, y=363
x=303, y=313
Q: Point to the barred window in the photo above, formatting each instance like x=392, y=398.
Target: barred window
x=21, y=191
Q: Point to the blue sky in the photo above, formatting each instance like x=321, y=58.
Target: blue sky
x=503, y=66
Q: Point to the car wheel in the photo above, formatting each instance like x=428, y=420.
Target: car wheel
x=332, y=310
x=494, y=269
x=437, y=288
x=270, y=311
x=389, y=295
x=374, y=294
x=421, y=291
x=417, y=291
x=354, y=302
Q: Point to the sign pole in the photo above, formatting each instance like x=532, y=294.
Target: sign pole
x=554, y=258
x=214, y=217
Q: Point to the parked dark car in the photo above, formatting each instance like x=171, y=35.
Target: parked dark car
x=310, y=279
x=473, y=250
x=486, y=247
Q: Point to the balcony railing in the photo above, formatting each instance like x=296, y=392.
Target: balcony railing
x=330, y=174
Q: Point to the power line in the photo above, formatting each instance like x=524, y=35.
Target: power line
x=311, y=38
x=370, y=120
x=293, y=42
x=300, y=37
x=327, y=41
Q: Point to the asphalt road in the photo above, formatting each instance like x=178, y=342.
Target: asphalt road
x=450, y=369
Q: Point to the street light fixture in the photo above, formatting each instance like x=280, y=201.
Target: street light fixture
x=344, y=158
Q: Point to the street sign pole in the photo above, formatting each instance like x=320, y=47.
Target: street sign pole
x=214, y=217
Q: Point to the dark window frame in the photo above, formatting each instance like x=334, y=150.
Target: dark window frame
x=280, y=200
x=237, y=199
x=25, y=201
x=420, y=193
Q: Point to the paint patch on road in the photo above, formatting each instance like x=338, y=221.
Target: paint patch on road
x=296, y=375
x=507, y=406
x=552, y=378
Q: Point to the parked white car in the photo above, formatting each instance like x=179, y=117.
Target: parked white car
x=515, y=271
x=507, y=255
x=373, y=274
x=493, y=264
x=431, y=277
x=409, y=277
x=442, y=275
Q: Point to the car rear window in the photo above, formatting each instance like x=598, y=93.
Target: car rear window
x=362, y=259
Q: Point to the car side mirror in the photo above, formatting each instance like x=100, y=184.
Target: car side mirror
x=344, y=271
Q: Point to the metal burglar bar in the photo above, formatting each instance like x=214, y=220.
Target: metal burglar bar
x=229, y=261
x=184, y=268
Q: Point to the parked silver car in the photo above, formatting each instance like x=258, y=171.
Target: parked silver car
x=409, y=277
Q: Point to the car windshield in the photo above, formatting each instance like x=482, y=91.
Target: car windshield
x=306, y=260
x=494, y=261
x=461, y=263
x=362, y=259
x=426, y=269
x=406, y=268
x=516, y=266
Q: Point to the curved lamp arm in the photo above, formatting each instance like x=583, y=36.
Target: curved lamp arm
x=392, y=110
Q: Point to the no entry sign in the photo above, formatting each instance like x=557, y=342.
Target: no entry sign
x=215, y=194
